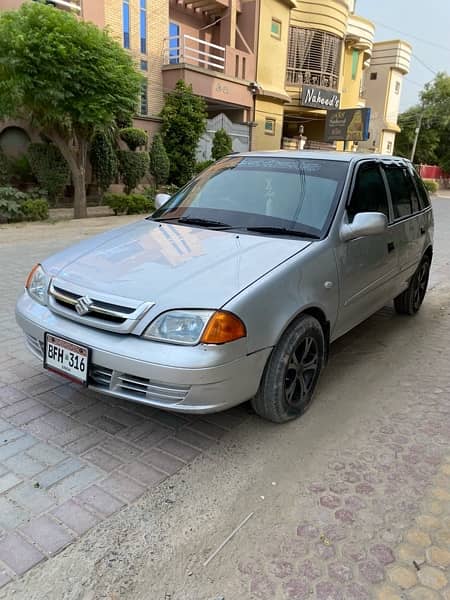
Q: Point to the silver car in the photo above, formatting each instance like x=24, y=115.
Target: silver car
x=235, y=287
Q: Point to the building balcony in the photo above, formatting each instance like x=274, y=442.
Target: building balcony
x=74, y=5
x=220, y=73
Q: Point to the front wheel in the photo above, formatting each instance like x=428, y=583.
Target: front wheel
x=292, y=372
x=410, y=301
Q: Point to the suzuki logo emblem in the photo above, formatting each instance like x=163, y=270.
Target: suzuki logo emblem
x=83, y=305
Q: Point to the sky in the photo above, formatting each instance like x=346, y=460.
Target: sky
x=425, y=25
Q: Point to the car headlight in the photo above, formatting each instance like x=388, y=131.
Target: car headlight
x=37, y=284
x=190, y=327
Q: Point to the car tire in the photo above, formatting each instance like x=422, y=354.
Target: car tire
x=410, y=301
x=292, y=371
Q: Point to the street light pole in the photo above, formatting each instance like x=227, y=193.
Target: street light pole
x=416, y=138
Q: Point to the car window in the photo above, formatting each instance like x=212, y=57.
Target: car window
x=423, y=194
x=405, y=200
x=369, y=193
x=247, y=191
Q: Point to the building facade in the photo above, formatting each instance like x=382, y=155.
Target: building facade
x=269, y=70
x=383, y=82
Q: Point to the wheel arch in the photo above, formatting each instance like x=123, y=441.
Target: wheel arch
x=319, y=315
x=429, y=252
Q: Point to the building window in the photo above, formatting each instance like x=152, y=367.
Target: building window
x=143, y=26
x=269, y=126
x=174, y=43
x=355, y=63
x=389, y=147
x=373, y=76
x=397, y=87
x=126, y=23
x=275, y=28
x=144, y=65
x=144, y=98
x=313, y=58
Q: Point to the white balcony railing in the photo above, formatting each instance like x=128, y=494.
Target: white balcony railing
x=191, y=50
x=71, y=5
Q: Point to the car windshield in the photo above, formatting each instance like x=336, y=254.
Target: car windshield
x=269, y=194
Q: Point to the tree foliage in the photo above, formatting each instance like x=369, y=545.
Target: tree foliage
x=183, y=123
x=132, y=166
x=133, y=137
x=68, y=77
x=103, y=158
x=434, y=115
x=159, y=161
x=50, y=169
x=4, y=168
x=222, y=144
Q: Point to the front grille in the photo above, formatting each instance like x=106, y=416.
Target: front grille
x=100, y=312
x=137, y=388
x=35, y=345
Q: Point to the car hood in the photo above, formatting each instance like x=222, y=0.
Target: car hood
x=171, y=265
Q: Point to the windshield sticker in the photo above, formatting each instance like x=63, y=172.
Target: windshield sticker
x=280, y=164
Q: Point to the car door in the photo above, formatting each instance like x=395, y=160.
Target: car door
x=368, y=266
x=407, y=225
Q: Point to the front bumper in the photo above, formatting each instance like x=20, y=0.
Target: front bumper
x=199, y=379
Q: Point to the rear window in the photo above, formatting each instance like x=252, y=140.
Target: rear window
x=423, y=194
x=405, y=200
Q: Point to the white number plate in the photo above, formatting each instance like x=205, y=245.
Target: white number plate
x=66, y=358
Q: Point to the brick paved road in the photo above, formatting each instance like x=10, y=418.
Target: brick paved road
x=371, y=510
x=70, y=458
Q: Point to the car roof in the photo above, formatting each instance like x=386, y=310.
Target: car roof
x=323, y=155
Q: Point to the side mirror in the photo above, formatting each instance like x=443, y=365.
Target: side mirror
x=161, y=199
x=369, y=223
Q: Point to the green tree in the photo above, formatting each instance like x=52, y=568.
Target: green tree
x=433, y=115
x=5, y=168
x=50, y=169
x=68, y=77
x=133, y=137
x=183, y=123
x=159, y=161
x=222, y=144
x=132, y=166
x=103, y=160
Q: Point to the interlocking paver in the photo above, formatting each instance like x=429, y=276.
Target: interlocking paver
x=76, y=517
x=18, y=445
x=47, y=533
x=75, y=482
x=178, y=449
x=162, y=461
x=102, y=459
x=120, y=449
x=144, y=473
x=32, y=498
x=93, y=438
x=8, y=481
x=121, y=486
x=4, y=578
x=100, y=500
x=58, y=472
x=18, y=554
x=47, y=454
x=11, y=515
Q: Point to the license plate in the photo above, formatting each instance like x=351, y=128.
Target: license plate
x=66, y=358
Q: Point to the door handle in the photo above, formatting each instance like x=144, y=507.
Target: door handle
x=422, y=230
x=391, y=246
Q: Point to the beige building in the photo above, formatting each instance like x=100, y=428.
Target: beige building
x=383, y=82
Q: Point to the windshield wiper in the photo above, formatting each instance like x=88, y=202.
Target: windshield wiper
x=284, y=231
x=196, y=221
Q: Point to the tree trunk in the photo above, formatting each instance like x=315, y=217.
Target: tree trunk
x=76, y=157
x=79, y=200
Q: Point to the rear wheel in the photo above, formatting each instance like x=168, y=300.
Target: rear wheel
x=292, y=372
x=410, y=301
